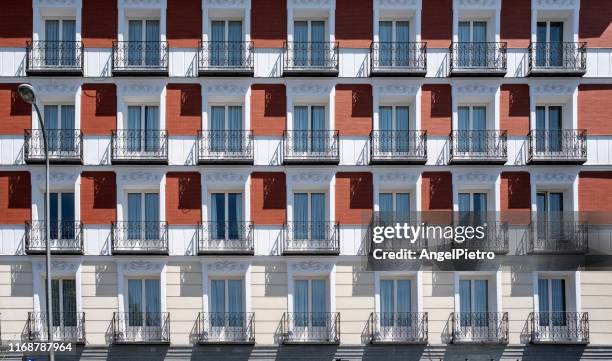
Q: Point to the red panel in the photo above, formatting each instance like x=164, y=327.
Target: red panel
x=15, y=23
x=437, y=197
x=183, y=109
x=184, y=22
x=596, y=23
x=268, y=23
x=515, y=26
x=268, y=109
x=15, y=197
x=98, y=109
x=354, y=23
x=98, y=197
x=99, y=28
x=354, y=109
x=514, y=109
x=594, y=112
x=354, y=197
x=437, y=23
x=268, y=198
x=515, y=197
x=595, y=196
x=15, y=114
x=183, y=198
x=436, y=109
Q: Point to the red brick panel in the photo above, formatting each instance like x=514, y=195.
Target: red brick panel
x=183, y=109
x=595, y=196
x=515, y=197
x=437, y=197
x=354, y=109
x=99, y=28
x=183, y=198
x=514, y=109
x=436, y=109
x=596, y=23
x=15, y=197
x=98, y=109
x=515, y=26
x=594, y=112
x=268, y=198
x=15, y=114
x=268, y=109
x=354, y=23
x=354, y=197
x=15, y=22
x=437, y=23
x=98, y=197
x=184, y=23
x=268, y=23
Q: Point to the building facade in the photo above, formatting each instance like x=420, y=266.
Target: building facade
x=216, y=164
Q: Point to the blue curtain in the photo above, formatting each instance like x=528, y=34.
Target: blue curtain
x=541, y=45
x=558, y=301
x=481, y=302
x=555, y=137
x=387, y=303
x=402, y=37
x=319, y=136
x=235, y=43
x=300, y=303
x=152, y=216
x=300, y=126
x=479, y=126
x=68, y=45
x=152, y=49
x=134, y=131
x=153, y=302
x=300, y=34
x=402, y=206
x=317, y=212
x=319, y=52
x=385, y=52
x=555, y=215
x=234, y=215
x=235, y=303
x=541, y=214
x=385, y=122
x=541, y=129
x=135, y=306
x=135, y=45
x=465, y=302
x=479, y=38
x=69, y=303
x=404, y=303
x=543, y=302
x=385, y=202
x=52, y=35
x=134, y=216
x=463, y=126
x=55, y=304
x=480, y=208
x=235, y=128
x=54, y=220
x=464, y=44
x=217, y=215
x=217, y=303
x=217, y=125
x=66, y=134
x=465, y=207
x=217, y=50
x=66, y=225
x=300, y=216
x=402, y=125
x=319, y=303
x=52, y=127
x=556, y=46
x=152, y=136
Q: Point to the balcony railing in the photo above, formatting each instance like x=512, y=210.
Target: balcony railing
x=66, y=327
x=225, y=238
x=310, y=58
x=311, y=238
x=557, y=58
x=66, y=237
x=558, y=236
x=228, y=327
x=141, y=327
x=311, y=327
x=225, y=147
x=480, y=327
x=54, y=57
x=478, y=146
x=398, y=58
x=559, y=327
x=478, y=58
x=65, y=146
x=226, y=58
x=140, y=58
x=496, y=238
x=139, y=146
x=568, y=146
x=140, y=237
x=398, y=147
x=311, y=147
x=399, y=327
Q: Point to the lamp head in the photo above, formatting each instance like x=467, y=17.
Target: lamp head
x=26, y=92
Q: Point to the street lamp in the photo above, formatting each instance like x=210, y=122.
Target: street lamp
x=26, y=92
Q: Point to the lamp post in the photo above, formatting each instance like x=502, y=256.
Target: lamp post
x=26, y=92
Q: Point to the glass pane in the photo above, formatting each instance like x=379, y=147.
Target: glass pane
x=235, y=46
x=234, y=216
x=544, y=307
x=301, y=46
x=135, y=45
x=300, y=216
x=152, y=48
x=152, y=216
x=54, y=220
x=385, y=206
x=479, y=46
x=402, y=205
x=66, y=134
x=235, y=303
x=319, y=136
x=134, y=132
x=463, y=129
x=465, y=302
x=68, y=45
x=404, y=302
x=481, y=305
x=55, y=302
x=541, y=129
x=387, y=300
x=402, y=37
x=134, y=216
x=153, y=302
x=317, y=213
x=557, y=287
x=152, y=135
x=319, y=303
x=318, y=52
x=235, y=129
x=67, y=229
x=385, y=53
x=555, y=134
x=556, y=48
x=541, y=45
x=479, y=126
x=52, y=126
x=217, y=215
x=217, y=125
x=385, y=122
x=69, y=303
x=52, y=46
x=135, y=306
x=300, y=303
x=217, y=303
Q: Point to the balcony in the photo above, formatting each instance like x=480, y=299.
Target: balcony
x=310, y=59
x=559, y=327
x=219, y=238
x=398, y=147
x=66, y=237
x=54, y=58
x=226, y=328
x=140, y=237
x=316, y=238
x=399, y=327
x=496, y=237
x=141, y=327
x=140, y=58
x=558, y=237
x=557, y=59
x=311, y=328
x=398, y=59
x=67, y=327
x=139, y=146
x=225, y=58
x=478, y=147
x=65, y=146
x=566, y=146
x=478, y=59
x=225, y=147
x=480, y=327
x=311, y=147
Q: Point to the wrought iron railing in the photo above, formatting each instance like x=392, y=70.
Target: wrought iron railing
x=400, y=327
x=559, y=327
x=225, y=237
x=64, y=145
x=225, y=55
x=220, y=146
x=495, y=239
x=140, y=237
x=478, y=145
x=311, y=237
x=478, y=56
x=310, y=327
x=54, y=56
x=398, y=146
x=310, y=56
x=320, y=146
x=66, y=326
x=140, y=56
x=557, y=56
x=398, y=57
x=65, y=237
x=226, y=327
x=564, y=145
x=141, y=327
x=139, y=145
x=480, y=327
x=558, y=236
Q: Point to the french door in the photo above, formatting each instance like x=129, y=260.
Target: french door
x=394, y=43
x=395, y=308
x=310, y=46
x=144, y=45
x=550, y=215
x=59, y=128
x=60, y=43
x=64, y=310
x=549, y=129
x=61, y=217
x=227, y=309
x=393, y=123
x=552, y=306
x=472, y=208
x=226, y=216
x=549, y=44
x=310, y=310
x=144, y=310
x=309, y=217
x=472, y=44
x=472, y=125
x=143, y=133
x=309, y=130
x=143, y=216
x=226, y=47
x=473, y=308
x=226, y=128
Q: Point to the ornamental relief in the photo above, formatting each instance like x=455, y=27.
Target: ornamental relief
x=311, y=178
x=227, y=266
x=140, y=266
x=225, y=3
x=554, y=89
x=556, y=4
x=478, y=4
x=226, y=177
x=307, y=266
x=398, y=177
x=55, y=2
x=226, y=89
x=555, y=177
x=311, y=89
x=398, y=3
x=476, y=89
x=473, y=177
x=142, y=89
x=311, y=3
x=56, y=88
x=141, y=2
x=141, y=177
x=398, y=89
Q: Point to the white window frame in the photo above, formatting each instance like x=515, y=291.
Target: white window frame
x=144, y=21
x=226, y=119
x=225, y=280
x=61, y=20
x=471, y=115
x=547, y=114
x=471, y=22
x=142, y=203
x=226, y=202
x=310, y=21
x=226, y=21
x=309, y=122
x=395, y=293
x=327, y=293
x=472, y=298
x=549, y=283
x=309, y=213
x=547, y=193
x=471, y=193
x=394, y=194
x=394, y=26
x=548, y=22
x=61, y=296
x=394, y=114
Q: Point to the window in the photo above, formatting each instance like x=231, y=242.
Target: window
x=60, y=42
x=226, y=216
x=59, y=127
x=395, y=302
x=472, y=43
x=143, y=132
x=309, y=43
x=549, y=215
x=309, y=129
x=143, y=225
x=226, y=128
x=144, y=305
x=549, y=47
x=227, y=303
x=394, y=39
x=61, y=215
x=63, y=295
x=472, y=208
x=309, y=216
x=310, y=303
x=473, y=303
x=394, y=206
x=393, y=124
x=226, y=44
x=552, y=302
x=144, y=43
x=549, y=128
x=472, y=126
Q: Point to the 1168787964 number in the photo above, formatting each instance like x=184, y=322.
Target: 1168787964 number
x=39, y=347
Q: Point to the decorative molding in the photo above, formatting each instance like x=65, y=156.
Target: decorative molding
x=397, y=3
x=227, y=266
x=226, y=89
x=55, y=2
x=478, y=3
x=59, y=266
x=141, y=2
x=554, y=89
x=310, y=266
x=224, y=3
x=473, y=177
x=403, y=177
x=313, y=3
x=556, y=3
x=141, y=177
x=142, y=89
x=140, y=266
x=311, y=88
x=398, y=89
x=311, y=177
x=56, y=88
x=476, y=89
x=555, y=177
x=58, y=177
x=226, y=177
